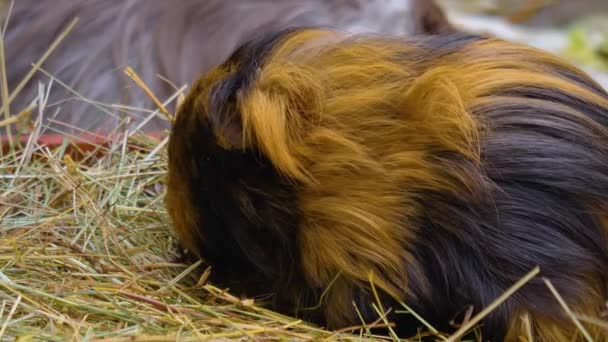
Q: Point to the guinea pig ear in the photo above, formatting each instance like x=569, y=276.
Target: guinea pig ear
x=272, y=124
x=229, y=132
x=256, y=119
x=278, y=113
x=222, y=112
x=429, y=18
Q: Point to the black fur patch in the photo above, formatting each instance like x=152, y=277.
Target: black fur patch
x=543, y=170
x=248, y=212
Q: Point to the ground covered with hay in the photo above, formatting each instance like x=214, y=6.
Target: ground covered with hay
x=86, y=253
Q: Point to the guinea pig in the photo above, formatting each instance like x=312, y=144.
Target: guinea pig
x=441, y=169
x=177, y=40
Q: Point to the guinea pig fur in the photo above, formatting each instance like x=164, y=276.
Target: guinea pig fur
x=447, y=167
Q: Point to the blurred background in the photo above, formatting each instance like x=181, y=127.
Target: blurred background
x=574, y=29
x=82, y=86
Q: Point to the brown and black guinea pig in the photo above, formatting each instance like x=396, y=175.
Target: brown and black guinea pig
x=447, y=166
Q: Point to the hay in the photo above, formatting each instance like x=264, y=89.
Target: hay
x=86, y=253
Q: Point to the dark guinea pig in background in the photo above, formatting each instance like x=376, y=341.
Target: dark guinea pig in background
x=175, y=39
x=446, y=165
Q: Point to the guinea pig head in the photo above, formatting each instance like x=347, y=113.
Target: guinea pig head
x=233, y=178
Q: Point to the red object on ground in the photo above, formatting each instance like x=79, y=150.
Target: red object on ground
x=79, y=145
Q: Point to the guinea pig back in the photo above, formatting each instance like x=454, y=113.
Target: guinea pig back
x=443, y=168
